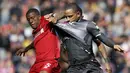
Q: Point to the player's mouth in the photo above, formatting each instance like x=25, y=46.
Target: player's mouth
x=33, y=25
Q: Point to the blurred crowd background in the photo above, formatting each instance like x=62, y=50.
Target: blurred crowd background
x=112, y=16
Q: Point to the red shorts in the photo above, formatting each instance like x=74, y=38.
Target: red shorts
x=49, y=66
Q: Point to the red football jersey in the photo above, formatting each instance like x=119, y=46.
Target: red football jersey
x=45, y=42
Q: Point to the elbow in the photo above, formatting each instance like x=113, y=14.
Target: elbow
x=98, y=43
x=100, y=46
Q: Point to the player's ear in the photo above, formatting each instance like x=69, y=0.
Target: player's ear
x=39, y=17
x=78, y=14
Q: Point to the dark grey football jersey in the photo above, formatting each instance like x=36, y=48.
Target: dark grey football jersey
x=84, y=31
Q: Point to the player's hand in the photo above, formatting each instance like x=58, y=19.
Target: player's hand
x=21, y=52
x=47, y=16
x=108, y=68
x=52, y=19
x=118, y=48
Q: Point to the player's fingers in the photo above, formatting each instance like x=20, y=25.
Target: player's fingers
x=121, y=50
x=118, y=48
x=48, y=15
x=24, y=54
x=18, y=52
x=109, y=70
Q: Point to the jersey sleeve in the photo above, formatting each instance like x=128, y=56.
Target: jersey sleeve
x=93, y=29
x=44, y=22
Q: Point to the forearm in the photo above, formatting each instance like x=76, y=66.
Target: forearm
x=103, y=52
x=31, y=46
x=59, y=15
x=55, y=17
x=63, y=54
x=105, y=58
x=106, y=41
x=64, y=57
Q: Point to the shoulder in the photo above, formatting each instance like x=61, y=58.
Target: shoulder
x=43, y=20
x=87, y=21
x=91, y=22
x=92, y=25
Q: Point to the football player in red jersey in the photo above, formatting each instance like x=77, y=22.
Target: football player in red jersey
x=45, y=44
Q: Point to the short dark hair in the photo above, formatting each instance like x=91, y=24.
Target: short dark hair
x=33, y=10
x=73, y=6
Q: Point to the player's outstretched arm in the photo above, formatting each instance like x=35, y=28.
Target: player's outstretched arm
x=54, y=17
x=110, y=43
x=94, y=30
x=104, y=54
x=22, y=51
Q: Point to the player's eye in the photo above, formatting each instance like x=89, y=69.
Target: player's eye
x=69, y=16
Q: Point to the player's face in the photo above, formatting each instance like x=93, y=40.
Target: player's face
x=71, y=15
x=33, y=19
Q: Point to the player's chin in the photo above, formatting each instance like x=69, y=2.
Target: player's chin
x=33, y=26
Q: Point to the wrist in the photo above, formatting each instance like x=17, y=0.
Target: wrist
x=59, y=15
x=28, y=48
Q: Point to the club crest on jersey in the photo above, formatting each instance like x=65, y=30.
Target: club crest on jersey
x=95, y=25
x=47, y=65
x=42, y=30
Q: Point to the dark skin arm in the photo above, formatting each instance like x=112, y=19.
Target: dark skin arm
x=103, y=52
x=22, y=51
x=63, y=54
x=63, y=61
x=54, y=17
